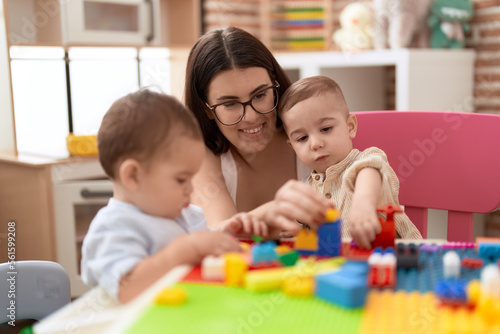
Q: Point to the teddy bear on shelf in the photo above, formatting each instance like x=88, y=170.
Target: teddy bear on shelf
x=355, y=34
x=449, y=21
x=401, y=23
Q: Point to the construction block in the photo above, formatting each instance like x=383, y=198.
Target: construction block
x=271, y=279
x=213, y=268
x=407, y=256
x=235, y=269
x=289, y=259
x=489, y=251
x=306, y=241
x=171, y=296
x=451, y=291
x=282, y=249
x=382, y=272
x=471, y=263
x=387, y=235
x=263, y=252
x=451, y=265
x=265, y=279
x=329, y=239
x=346, y=287
x=353, y=253
x=298, y=286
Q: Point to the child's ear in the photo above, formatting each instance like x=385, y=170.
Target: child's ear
x=352, y=123
x=129, y=174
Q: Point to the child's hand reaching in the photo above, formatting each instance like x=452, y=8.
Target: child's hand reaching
x=363, y=223
x=245, y=225
x=214, y=243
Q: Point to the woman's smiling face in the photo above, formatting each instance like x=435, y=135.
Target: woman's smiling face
x=255, y=131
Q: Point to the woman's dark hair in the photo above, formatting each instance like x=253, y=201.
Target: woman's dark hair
x=220, y=50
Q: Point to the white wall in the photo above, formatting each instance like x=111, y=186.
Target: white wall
x=7, y=141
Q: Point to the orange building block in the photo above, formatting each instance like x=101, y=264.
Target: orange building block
x=306, y=240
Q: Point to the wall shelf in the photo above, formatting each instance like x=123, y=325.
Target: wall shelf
x=426, y=79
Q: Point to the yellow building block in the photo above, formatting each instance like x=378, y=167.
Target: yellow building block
x=272, y=279
x=235, y=268
x=171, y=296
x=281, y=249
x=332, y=215
x=298, y=286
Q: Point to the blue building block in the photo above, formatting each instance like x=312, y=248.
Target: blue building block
x=346, y=287
x=329, y=239
x=489, y=251
x=451, y=291
x=264, y=252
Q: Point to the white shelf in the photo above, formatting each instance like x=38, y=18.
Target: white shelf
x=426, y=79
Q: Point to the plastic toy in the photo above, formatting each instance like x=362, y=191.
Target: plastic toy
x=489, y=251
x=213, y=268
x=401, y=23
x=171, y=296
x=382, y=269
x=407, y=256
x=387, y=235
x=449, y=21
x=355, y=34
x=272, y=279
x=306, y=241
x=471, y=263
x=235, y=269
x=288, y=259
x=426, y=273
x=451, y=291
x=82, y=145
x=298, y=286
x=263, y=252
x=329, y=236
x=346, y=287
x=451, y=265
x=326, y=241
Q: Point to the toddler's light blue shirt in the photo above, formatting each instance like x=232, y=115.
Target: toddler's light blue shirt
x=121, y=235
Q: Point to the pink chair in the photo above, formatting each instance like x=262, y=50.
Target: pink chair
x=444, y=160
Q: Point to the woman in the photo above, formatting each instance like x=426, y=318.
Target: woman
x=233, y=84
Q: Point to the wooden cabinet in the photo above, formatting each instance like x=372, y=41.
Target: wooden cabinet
x=50, y=203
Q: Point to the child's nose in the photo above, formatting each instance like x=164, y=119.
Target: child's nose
x=316, y=143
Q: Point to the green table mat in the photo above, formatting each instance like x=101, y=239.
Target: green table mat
x=226, y=310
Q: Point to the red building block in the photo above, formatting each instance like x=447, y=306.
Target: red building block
x=387, y=236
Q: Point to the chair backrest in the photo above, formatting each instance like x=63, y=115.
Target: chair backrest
x=32, y=289
x=444, y=160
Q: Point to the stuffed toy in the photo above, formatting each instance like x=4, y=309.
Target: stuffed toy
x=401, y=23
x=355, y=34
x=448, y=21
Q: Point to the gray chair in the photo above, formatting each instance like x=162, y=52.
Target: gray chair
x=32, y=290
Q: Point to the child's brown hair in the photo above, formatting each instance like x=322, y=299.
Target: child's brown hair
x=138, y=125
x=308, y=87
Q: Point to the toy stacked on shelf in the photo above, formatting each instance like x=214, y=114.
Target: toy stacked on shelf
x=449, y=288
x=298, y=25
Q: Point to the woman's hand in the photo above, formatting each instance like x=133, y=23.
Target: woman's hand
x=296, y=201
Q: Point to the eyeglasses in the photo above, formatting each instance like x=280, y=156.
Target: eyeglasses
x=232, y=112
